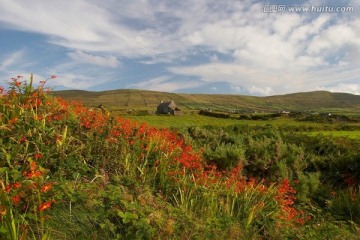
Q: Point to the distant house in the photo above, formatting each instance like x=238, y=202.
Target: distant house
x=168, y=108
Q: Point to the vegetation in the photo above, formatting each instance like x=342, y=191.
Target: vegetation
x=71, y=172
x=311, y=102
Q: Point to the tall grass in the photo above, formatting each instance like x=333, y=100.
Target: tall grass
x=70, y=172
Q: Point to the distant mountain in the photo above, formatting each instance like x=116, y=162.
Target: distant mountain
x=143, y=99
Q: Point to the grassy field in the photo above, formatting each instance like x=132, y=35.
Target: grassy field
x=319, y=101
x=170, y=121
x=347, y=134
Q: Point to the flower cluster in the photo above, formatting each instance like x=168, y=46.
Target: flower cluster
x=149, y=147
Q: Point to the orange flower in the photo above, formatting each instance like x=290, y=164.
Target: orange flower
x=2, y=210
x=16, y=185
x=16, y=199
x=38, y=155
x=11, y=186
x=33, y=174
x=46, y=187
x=33, y=166
x=45, y=206
x=13, y=121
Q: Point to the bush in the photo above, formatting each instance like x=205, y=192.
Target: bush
x=225, y=157
x=214, y=114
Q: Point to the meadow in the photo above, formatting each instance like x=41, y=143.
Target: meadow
x=68, y=171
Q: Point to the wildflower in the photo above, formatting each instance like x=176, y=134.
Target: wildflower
x=46, y=187
x=16, y=199
x=301, y=221
x=13, y=121
x=2, y=210
x=53, y=76
x=8, y=188
x=12, y=186
x=45, y=206
x=19, y=76
x=333, y=193
x=38, y=156
x=33, y=174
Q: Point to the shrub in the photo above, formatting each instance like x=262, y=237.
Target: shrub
x=225, y=157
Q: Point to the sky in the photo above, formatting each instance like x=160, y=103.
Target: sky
x=247, y=47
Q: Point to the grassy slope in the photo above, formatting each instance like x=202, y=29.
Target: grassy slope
x=141, y=99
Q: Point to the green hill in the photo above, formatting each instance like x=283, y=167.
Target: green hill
x=143, y=99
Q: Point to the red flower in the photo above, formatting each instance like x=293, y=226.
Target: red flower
x=16, y=185
x=13, y=121
x=38, y=155
x=46, y=187
x=16, y=199
x=45, y=206
x=11, y=186
x=33, y=174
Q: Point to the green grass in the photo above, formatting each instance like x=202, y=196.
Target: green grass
x=169, y=121
x=70, y=172
x=347, y=134
x=193, y=119
x=320, y=101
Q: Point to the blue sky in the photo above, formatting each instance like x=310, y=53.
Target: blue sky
x=191, y=46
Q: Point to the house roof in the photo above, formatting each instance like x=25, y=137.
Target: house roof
x=170, y=105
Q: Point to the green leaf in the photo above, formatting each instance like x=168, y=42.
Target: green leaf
x=3, y=230
x=3, y=169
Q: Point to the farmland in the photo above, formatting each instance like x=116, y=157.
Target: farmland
x=70, y=171
x=128, y=99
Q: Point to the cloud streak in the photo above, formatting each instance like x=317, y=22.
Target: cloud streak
x=106, y=61
x=165, y=84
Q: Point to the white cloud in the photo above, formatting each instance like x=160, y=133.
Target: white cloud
x=353, y=88
x=236, y=43
x=244, y=77
x=73, y=81
x=165, y=84
x=106, y=61
x=260, y=90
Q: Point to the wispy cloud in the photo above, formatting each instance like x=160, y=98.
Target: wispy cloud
x=106, y=61
x=165, y=84
x=11, y=60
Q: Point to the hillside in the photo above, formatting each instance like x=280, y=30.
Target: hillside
x=143, y=99
x=69, y=172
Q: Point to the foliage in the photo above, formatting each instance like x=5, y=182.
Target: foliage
x=59, y=159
